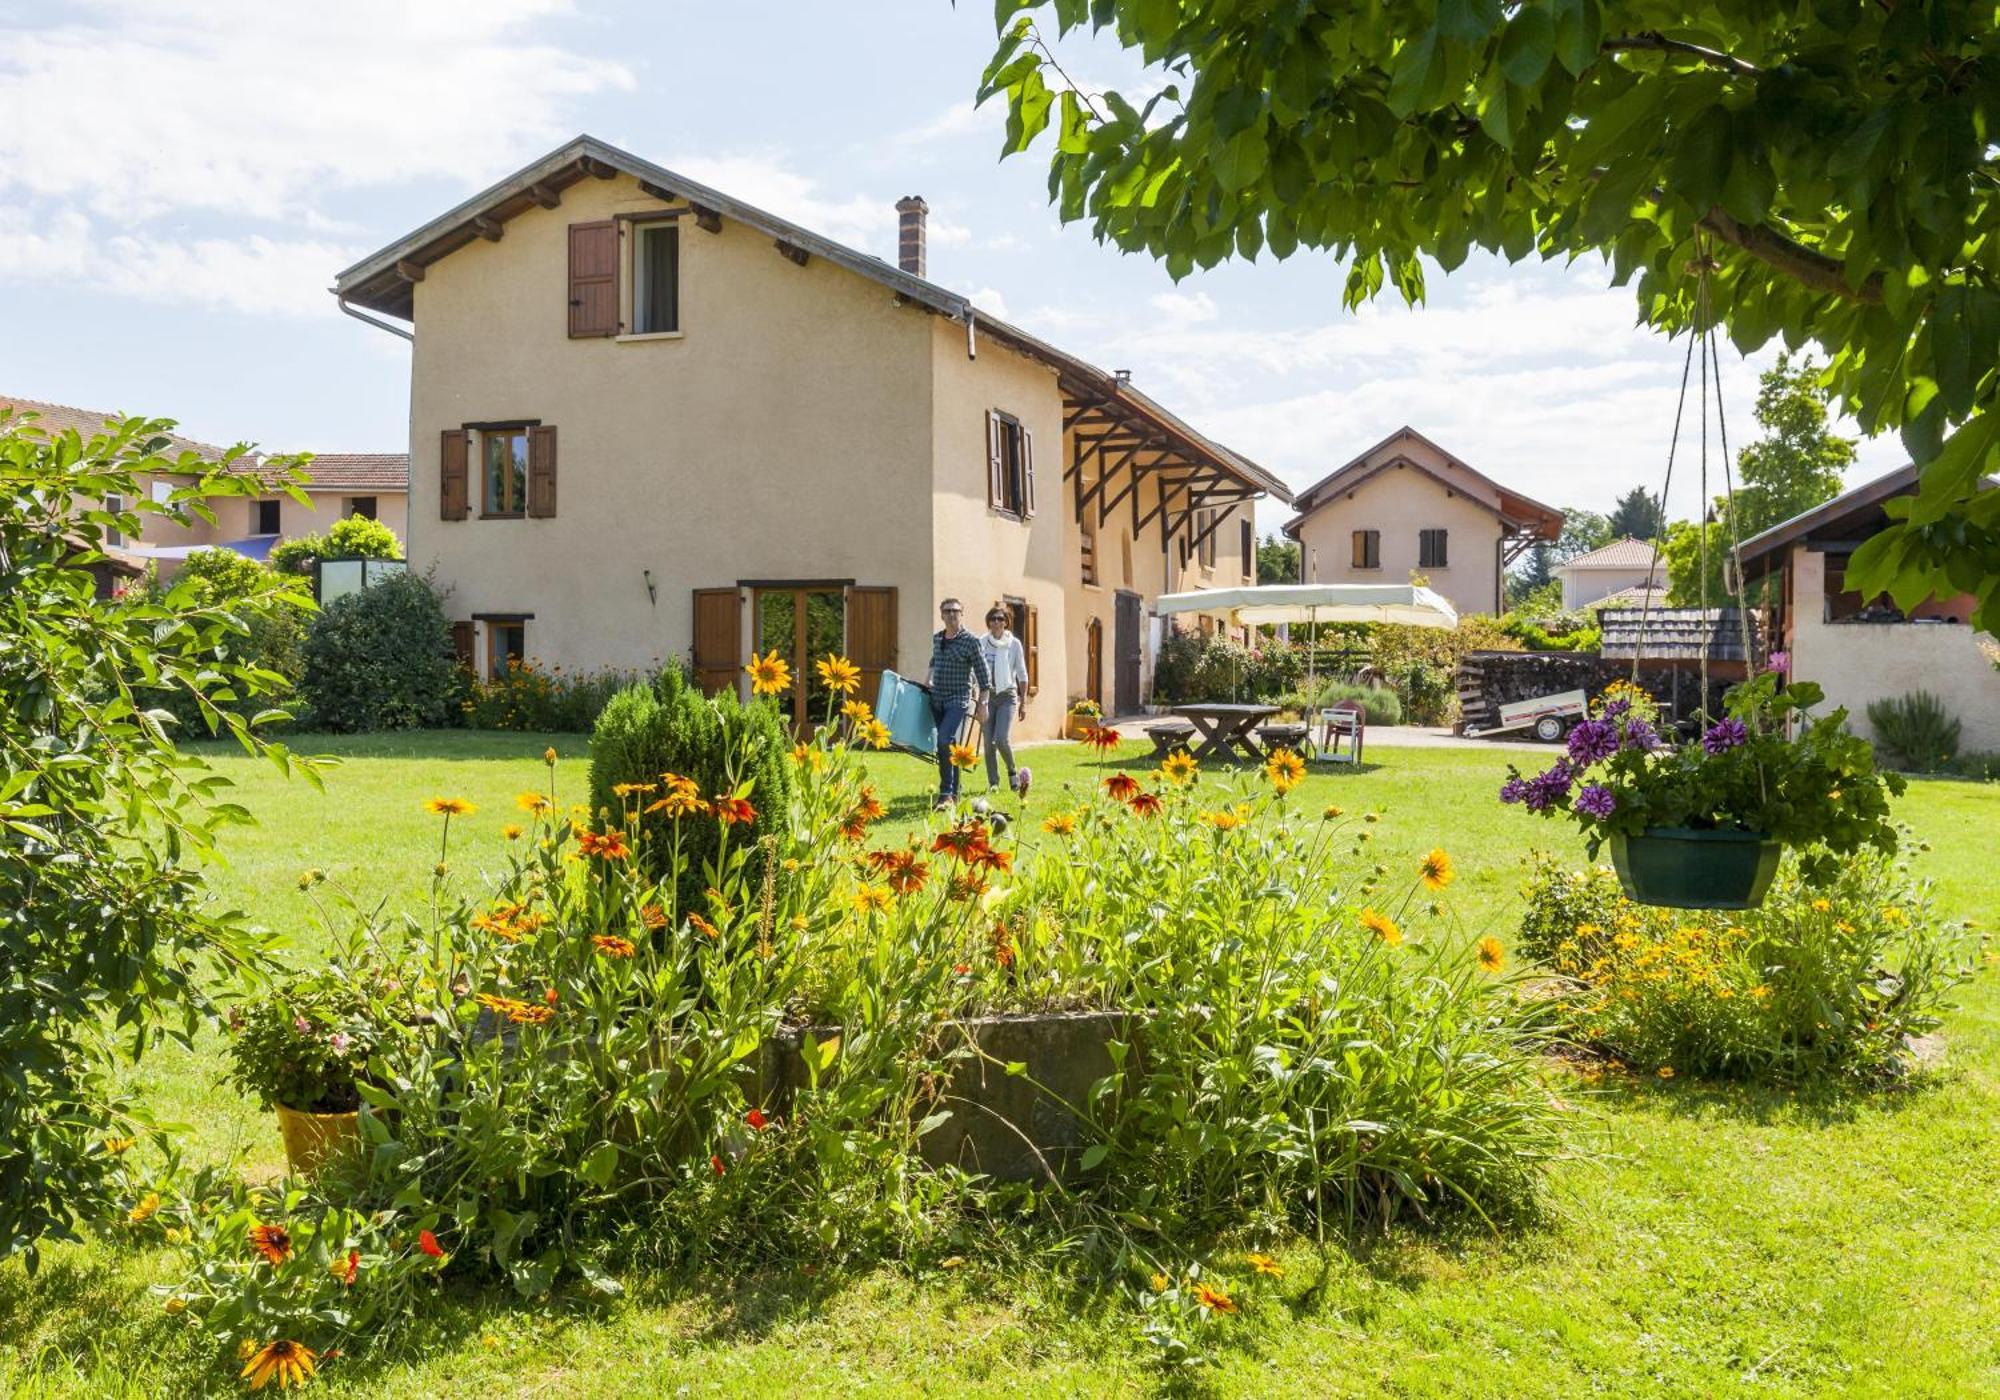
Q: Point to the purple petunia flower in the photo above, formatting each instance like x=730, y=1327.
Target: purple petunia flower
x=1781, y=662
x=1639, y=734
x=1596, y=800
x=1724, y=736
x=1616, y=709
x=1514, y=790
x=1591, y=741
x=1548, y=787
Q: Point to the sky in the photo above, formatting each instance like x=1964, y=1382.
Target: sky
x=180, y=180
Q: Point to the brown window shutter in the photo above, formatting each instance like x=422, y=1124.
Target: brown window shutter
x=871, y=636
x=542, y=472
x=593, y=279
x=718, y=638
x=454, y=444
x=1027, y=474
x=461, y=643
x=996, y=465
x=1249, y=536
x=1032, y=643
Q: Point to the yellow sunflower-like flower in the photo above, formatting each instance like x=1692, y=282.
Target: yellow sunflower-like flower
x=511, y=831
x=549, y=755
x=634, y=789
x=286, y=1362
x=1285, y=769
x=856, y=712
x=872, y=897
x=612, y=946
x=964, y=756
x=1333, y=812
x=1059, y=823
x=770, y=674
x=534, y=803
x=148, y=1207
x=1179, y=767
x=116, y=1145
x=1224, y=820
x=1382, y=926
x=1435, y=869
x=1491, y=955
x=838, y=674
x=1265, y=1265
x=874, y=734
x=1214, y=1299
x=449, y=807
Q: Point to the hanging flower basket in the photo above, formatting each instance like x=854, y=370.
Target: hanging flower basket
x=1700, y=825
x=1681, y=867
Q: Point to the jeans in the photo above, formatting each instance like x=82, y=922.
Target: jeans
x=999, y=728
x=948, y=713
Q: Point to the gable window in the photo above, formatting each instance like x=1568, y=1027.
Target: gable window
x=504, y=455
x=656, y=259
x=1010, y=466
x=361, y=507
x=1367, y=549
x=263, y=517
x=1430, y=549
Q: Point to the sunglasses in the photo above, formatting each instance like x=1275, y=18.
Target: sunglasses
x=951, y=612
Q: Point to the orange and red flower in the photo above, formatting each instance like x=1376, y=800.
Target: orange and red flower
x=274, y=1242
x=1101, y=737
x=904, y=870
x=756, y=1119
x=612, y=946
x=348, y=1269
x=965, y=840
x=428, y=1243
x=1145, y=804
x=609, y=845
x=1121, y=787
x=731, y=810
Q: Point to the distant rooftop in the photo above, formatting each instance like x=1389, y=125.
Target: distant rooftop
x=1627, y=553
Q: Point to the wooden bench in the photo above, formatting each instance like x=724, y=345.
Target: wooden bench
x=1169, y=735
x=1271, y=737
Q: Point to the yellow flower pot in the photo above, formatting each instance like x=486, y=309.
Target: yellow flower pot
x=1080, y=725
x=314, y=1139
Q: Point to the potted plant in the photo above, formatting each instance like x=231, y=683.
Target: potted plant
x=1085, y=715
x=1700, y=825
x=303, y=1050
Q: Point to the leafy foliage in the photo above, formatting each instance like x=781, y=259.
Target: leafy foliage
x=103, y=942
x=306, y=1042
x=545, y=699
x=1826, y=979
x=274, y=620
x=1277, y=560
x=1637, y=516
x=381, y=658
x=352, y=537
x=1829, y=162
x=1918, y=729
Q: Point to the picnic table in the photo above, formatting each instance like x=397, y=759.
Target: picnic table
x=1226, y=727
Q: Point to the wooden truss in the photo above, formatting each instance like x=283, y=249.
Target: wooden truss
x=1128, y=450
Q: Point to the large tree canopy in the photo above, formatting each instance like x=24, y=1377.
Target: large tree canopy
x=1829, y=160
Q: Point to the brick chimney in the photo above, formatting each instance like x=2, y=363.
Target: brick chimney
x=910, y=246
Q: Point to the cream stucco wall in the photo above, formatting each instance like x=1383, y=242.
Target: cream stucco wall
x=1583, y=586
x=1400, y=502
x=784, y=435
x=235, y=518
x=1856, y=662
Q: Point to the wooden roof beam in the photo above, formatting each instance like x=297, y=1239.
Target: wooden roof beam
x=708, y=220
x=488, y=227
x=545, y=194
x=410, y=271
x=792, y=251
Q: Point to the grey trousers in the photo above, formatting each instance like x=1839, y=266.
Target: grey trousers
x=999, y=730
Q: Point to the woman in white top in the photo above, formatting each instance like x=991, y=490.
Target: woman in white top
x=1007, y=663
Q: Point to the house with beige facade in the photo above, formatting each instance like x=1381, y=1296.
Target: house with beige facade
x=1406, y=506
x=650, y=421
x=1858, y=648
x=1613, y=570
x=340, y=484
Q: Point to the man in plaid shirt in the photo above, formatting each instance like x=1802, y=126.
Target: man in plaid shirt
x=956, y=663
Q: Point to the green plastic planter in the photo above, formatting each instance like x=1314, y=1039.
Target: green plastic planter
x=1679, y=867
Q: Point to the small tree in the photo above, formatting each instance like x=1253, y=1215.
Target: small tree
x=1278, y=560
x=104, y=939
x=382, y=659
x=1637, y=516
x=355, y=537
x=1583, y=531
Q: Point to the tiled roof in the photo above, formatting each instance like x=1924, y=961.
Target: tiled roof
x=1633, y=597
x=53, y=418
x=330, y=471
x=359, y=471
x=1619, y=554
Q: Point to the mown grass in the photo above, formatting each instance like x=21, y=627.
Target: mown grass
x=1705, y=1241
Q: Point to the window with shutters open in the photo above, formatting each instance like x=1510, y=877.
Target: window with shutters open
x=1431, y=549
x=514, y=466
x=503, y=475
x=656, y=264
x=1367, y=549
x=1010, y=466
x=593, y=279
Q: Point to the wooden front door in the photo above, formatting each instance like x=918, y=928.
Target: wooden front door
x=871, y=636
x=1125, y=654
x=1093, y=662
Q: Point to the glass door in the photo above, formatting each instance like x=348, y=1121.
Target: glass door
x=802, y=625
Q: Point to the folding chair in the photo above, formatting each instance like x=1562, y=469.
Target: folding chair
x=1344, y=719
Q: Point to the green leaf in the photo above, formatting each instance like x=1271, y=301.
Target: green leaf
x=1702, y=154
x=1017, y=1068
x=1579, y=30
x=1027, y=111
x=1528, y=46
x=599, y=1165
x=1240, y=161
x=1093, y=1156
x=1418, y=74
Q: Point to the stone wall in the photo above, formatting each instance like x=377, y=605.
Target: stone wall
x=1489, y=679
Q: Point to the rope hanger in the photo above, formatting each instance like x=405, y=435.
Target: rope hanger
x=1702, y=339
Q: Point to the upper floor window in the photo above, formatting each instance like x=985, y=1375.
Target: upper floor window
x=113, y=536
x=1367, y=549
x=362, y=507
x=1431, y=549
x=504, y=455
x=656, y=258
x=1205, y=528
x=1247, y=534
x=263, y=517
x=1010, y=466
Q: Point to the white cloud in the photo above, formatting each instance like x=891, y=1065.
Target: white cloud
x=136, y=107
x=1185, y=308
x=989, y=300
x=959, y=120
x=766, y=180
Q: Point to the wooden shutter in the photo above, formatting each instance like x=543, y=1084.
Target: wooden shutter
x=1032, y=644
x=1027, y=475
x=871, y=636
x=542, y=472
x=1249, y=536
x=461, y=643
x=593, y=279
x=718, y=638
x=454, y=502
x=996, y=461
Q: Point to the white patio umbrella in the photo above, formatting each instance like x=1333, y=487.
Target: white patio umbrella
x=1314, y=603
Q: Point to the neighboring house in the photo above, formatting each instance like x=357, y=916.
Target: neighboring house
x=650, y=421
x=1406, y=506
x=1861, y=649
x=1622, y=566
x=374, y=484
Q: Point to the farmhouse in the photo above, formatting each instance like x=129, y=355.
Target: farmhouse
x=649, y=420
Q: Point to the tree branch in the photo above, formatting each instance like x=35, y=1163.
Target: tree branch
x=1655, y=42
x=1807, y=266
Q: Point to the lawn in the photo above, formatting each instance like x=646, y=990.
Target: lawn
x=1705, y=1240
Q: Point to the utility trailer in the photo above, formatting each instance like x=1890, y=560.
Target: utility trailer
x=1548, y=717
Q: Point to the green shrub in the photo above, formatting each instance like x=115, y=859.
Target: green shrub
x=354, y=537
x=1975, y=765
x=1917, y=729
x=545, y=700
x=382, y=659
x=1816, y=981
x=725, y=747
x=1380, y=704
